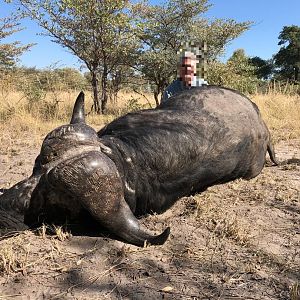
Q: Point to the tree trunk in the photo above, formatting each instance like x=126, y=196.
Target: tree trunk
x=156, y=97
x=157, y=90
x=296, y=73
x=97, y=106
x=116, y=86
x=104, y=96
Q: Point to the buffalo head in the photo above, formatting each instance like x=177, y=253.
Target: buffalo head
x=74, y=173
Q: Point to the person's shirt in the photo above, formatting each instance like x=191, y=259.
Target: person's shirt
x=177, y=86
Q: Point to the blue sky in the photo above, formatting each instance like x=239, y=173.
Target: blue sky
x=261, y=40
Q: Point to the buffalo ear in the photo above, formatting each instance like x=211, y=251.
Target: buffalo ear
x=78, y=110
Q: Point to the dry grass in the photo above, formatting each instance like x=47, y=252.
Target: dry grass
x=281, y=113
x=18, y=254
x=57, y=232
x=14, y=255
x=17, y=113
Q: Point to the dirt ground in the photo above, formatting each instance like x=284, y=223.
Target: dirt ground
x=235, y=241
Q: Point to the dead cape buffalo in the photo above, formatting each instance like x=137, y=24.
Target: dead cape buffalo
x=143, y=162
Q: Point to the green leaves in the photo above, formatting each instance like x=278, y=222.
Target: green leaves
x=9, y=52
x=97, y=32
x=163, y=29
x=237, y=73
x=288, y=57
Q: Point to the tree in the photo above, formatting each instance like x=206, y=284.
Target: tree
x=217, y=34
x=9, y=52
x=97, y=32
x=288, y=57
x=163, y=29
x=264, y=68
x=237, y=73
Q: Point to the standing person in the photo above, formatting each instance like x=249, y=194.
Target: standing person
x=187, y=75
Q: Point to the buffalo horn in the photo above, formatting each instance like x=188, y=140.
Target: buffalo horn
x=94, y=180
x=78, y=110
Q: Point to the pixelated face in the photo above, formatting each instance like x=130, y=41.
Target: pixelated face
x=192, y=66
x=187, y=70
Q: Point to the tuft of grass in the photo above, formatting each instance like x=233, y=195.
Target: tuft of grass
x=61, y=234
x=57, y=232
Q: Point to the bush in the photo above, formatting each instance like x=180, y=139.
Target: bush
x=236, y=73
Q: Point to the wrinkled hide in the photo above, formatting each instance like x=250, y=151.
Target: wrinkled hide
x=144, y=161
x=198, y=138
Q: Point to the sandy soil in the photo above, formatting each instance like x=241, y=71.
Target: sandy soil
x=235, y=241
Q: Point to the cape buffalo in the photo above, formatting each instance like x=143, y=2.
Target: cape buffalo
x=145, y=161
